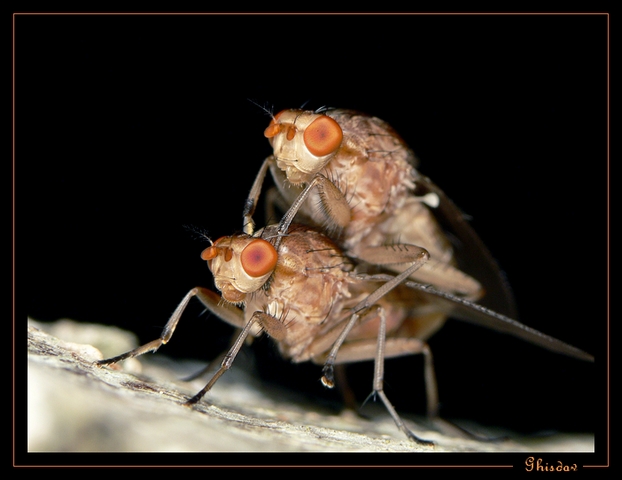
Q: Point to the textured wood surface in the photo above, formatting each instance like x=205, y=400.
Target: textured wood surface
x=75, y=406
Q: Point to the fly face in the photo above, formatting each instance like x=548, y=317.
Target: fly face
x=240, y=265
x=303, y=142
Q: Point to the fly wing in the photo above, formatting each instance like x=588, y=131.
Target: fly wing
x=465, y=310
x=479, y=315
x=473, y=256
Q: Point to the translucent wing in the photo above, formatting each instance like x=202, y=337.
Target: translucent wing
x=474, y=313
x=472, y=255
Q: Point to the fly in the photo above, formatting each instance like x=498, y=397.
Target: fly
x=352, y=175
x=314, y=302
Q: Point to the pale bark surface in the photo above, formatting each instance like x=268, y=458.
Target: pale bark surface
x=75, y=406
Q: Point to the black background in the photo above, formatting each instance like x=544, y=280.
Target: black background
x=129, y=128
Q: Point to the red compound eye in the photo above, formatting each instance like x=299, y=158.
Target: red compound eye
x=258, y=258
x=323, y=136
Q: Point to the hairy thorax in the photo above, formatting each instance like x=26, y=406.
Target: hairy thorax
x=310, y=283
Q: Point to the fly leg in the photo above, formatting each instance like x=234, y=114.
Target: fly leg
x=445, y=275
x=270, y=324
x=283, y=199
x=253, y=196
x=360, y=350
x=274, y=202
x=418, y=256
x=381, y=348
x=227, y=312
x=379, y=382
x=334, y=205
x=210, y=366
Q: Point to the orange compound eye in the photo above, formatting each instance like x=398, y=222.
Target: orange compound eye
x=323, y=136
x=258, y=258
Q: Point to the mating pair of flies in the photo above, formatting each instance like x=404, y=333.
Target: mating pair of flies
x=360, y=267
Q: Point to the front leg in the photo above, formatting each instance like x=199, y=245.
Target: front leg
x=271, y=325
x=253, y=196
x=334, y=206
x=227, y=312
